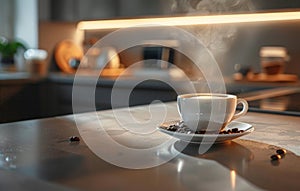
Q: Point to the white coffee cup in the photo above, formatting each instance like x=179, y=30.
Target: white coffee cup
x=208, y=112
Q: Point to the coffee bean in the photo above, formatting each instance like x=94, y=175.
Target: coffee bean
x=281, y=151
x=235, y=130
x=275, y=157
x=231, y=131
x=180, y=127
x=200, y=132
x=172, y=128
x=74, y=138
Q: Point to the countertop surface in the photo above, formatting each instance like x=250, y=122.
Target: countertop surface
x=125, y=151
x=8, y=78
x=59, y=77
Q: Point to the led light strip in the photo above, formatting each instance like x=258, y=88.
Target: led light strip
x=189, y=20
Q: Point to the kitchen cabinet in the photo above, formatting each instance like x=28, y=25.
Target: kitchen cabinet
x=29, y=98
x=77, y=10
x=21, y=97
x=61, y=90
x=19, y=102
x=24, y=97
x=60, y=87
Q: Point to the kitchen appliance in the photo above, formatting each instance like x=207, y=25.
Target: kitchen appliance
x=159, y=53
x=273, y=59
x=161, y=56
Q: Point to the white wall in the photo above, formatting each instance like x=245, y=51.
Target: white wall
x=6, y=18
x=26, y=22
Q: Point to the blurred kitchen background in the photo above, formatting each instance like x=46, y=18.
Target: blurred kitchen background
x=53, y=26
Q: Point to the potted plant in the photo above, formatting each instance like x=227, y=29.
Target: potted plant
x=8, y=49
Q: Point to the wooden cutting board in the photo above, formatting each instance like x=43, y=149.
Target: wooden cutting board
x=64, y=52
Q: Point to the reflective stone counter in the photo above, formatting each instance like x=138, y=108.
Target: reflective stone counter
x=37, y=154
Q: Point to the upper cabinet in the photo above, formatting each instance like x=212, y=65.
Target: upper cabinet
x=276, y=4
x=77, y=10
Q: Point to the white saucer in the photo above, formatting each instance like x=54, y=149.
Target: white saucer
x=208, y=138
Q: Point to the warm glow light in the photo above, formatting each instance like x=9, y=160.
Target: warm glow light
x=189, y=20
x=233, y=179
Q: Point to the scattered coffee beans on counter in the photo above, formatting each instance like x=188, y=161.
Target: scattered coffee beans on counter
x=74, y=138
x=235, y=130
x=200, y=132
x=281, y=151
x=275, y=157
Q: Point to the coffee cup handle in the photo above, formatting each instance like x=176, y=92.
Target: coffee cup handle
x=243, y=111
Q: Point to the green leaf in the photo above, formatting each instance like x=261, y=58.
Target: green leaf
x=10, y=48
